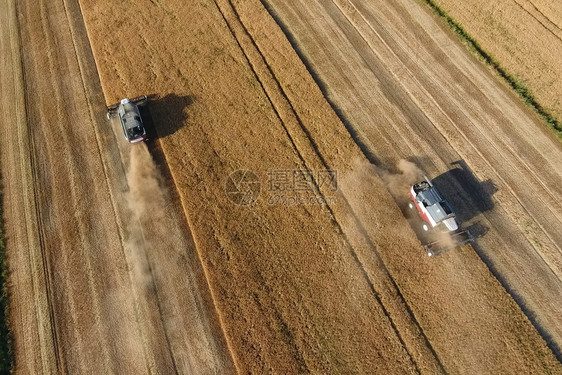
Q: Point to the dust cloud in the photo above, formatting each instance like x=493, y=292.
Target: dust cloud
x=445, y=239
x=146, y=192
x=141, y=207
x=170, y=321
x=357, y=184
x=363, y=174
x=146, y=202
x=399, y=183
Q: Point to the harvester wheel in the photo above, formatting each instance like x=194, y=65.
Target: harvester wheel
x=425, y=227
x=411, y=205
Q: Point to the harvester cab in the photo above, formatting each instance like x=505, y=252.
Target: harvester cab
x=130, y=118
x=438, y=217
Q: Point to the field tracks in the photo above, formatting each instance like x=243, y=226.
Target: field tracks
x=21, y=169
x=295, y=129
x=47, y=275
x=91, y=91
x=305, y=29
x=155, y=148
x=537, y=14
x=351, y=12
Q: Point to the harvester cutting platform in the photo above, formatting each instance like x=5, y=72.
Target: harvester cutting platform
x=438, y=216
x=130, y=118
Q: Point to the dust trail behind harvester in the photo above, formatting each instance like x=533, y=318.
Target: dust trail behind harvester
x=399, y=183
x=362, y=174
x=144, y=181
x=146, y=203
x=157, y=246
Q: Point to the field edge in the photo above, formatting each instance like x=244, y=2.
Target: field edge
x=546, y=115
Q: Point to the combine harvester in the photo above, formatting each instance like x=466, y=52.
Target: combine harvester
x=130, y=118
x=438, y=216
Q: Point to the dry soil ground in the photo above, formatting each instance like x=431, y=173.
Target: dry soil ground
x=524, y=35
x=105, y=280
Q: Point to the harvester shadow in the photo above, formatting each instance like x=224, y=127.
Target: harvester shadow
x=462, y=189
x=165, y=115
x=477, y=230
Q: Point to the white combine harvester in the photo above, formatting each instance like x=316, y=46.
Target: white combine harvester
x=437, y=215
x=130, y=118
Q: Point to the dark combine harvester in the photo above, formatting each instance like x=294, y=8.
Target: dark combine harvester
x=130, y=118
